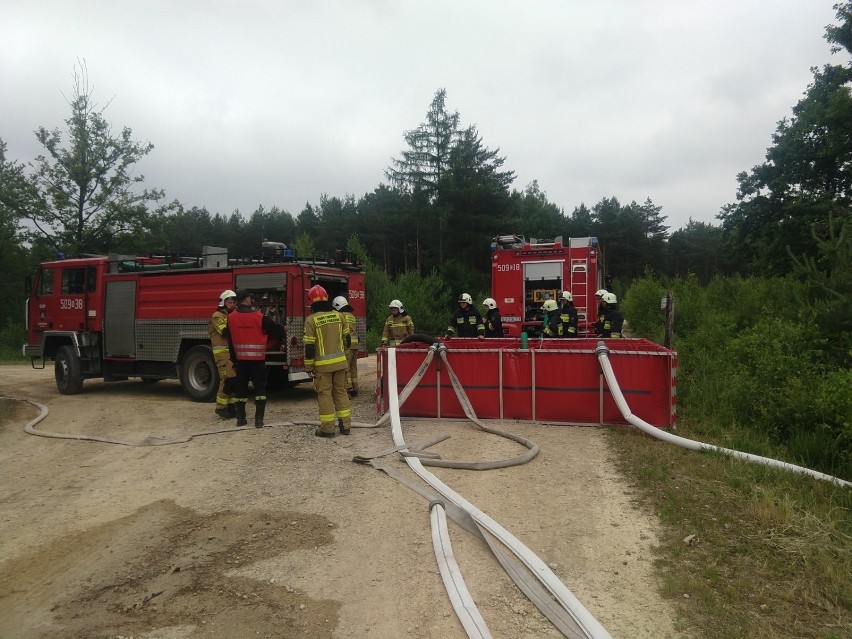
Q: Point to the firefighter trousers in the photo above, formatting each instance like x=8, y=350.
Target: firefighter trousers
x=225, y=367
x=333, y=400
x=352, y=372
x=249, y=371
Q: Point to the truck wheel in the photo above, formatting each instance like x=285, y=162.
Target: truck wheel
x=69, y=379
x=198, y=374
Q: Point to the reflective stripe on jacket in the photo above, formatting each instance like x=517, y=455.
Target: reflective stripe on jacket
x=353, y=330
x=247, y=335
x=397, y=328
x=324, y=341
x=218, y=323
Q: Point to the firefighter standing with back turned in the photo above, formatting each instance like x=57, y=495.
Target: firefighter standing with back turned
x=247, y=332
x=326, y=341
x=342, y=306
x=225, y=407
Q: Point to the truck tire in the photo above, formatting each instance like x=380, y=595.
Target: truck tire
x=198, y=374
x=68, y=372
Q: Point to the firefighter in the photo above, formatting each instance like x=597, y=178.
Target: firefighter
x=601, y=311
x=466, y=320
x=342, y=306
x=248, y=330
x=398, y=325
x=493, y=322
x=568, y=314
x=326, y=340
x=218, y=323
x=613, y=319
x=553, y=326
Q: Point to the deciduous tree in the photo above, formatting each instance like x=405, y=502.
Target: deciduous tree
x=91, y=196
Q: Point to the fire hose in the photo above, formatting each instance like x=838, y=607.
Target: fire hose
x=602, y=351
x=572, y=618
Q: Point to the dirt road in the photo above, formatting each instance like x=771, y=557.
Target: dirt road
x=276, y=533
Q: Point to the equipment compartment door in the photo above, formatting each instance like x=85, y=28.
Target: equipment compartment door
x=119, y=319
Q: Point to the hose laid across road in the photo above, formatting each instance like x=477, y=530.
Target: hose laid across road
x=587, y=626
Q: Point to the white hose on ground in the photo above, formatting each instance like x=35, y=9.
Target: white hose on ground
x=466, y=610
x=590, y=626
x=602, y=351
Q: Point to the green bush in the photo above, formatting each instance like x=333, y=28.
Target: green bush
x=641, y=308
x=13, y=335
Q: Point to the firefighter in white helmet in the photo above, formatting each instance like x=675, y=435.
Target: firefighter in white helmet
x=552, y=319
x=342, y=306
x=219, y=343
x=568, y=314
x=466, y=320
x=398, y=325
x=492, y=319
x=613, y=319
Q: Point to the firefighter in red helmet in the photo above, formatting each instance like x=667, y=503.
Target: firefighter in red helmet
x=327, y=338
x=248, y=330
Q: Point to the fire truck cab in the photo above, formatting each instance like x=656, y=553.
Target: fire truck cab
x=116, y=317
x=524, y=274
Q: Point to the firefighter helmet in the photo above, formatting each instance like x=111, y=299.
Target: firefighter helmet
x=566, y=295
x=600, y=292
x=610, y=298
x=339, y=302
x=317, y=294
x=549, y=305
x=464, y=297
x=395, y=304
x=490, y=303
x=226, y=295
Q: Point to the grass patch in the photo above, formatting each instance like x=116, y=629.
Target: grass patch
x=772, y=552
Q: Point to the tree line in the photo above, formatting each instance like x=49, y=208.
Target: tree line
x=443, y=199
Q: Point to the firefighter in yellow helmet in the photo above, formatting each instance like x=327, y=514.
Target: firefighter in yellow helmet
x=327, y=338
x=219, y=343
x=398, y=325
x=342, y=306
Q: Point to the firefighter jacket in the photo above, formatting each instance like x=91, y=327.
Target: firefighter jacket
x=349, y=318
x=216, y=328
x=397, y=328
x=613, y=322
x=466, y=323
x=568, y=317
x=553, y=324
x=493, y=323
x=247, y=333
x=326, y=340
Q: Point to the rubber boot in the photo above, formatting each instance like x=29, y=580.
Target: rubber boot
x=259, y=410
x=241, y=413
x=232, y=410
x=343, y=430
x=222, y=412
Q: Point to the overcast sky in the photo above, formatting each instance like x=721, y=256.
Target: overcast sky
x=274, y=102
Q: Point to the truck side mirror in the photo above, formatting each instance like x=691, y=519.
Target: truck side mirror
x=28, y=284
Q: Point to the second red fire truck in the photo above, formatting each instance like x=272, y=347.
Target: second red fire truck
x=526, y=273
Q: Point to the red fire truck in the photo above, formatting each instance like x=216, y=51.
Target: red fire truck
x=116, y=317
x=526, y=273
